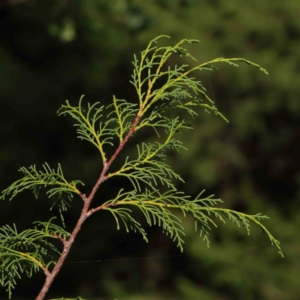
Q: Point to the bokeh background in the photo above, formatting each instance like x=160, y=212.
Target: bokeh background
x=55, y=50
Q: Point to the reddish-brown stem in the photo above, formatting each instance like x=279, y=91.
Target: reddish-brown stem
x=47, y=273
x=106, y=165
x=90, y=212
x=85, y=213
x=60, y=238
x=63, y=256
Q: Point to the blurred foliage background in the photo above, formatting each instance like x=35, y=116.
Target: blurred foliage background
x=55, y=50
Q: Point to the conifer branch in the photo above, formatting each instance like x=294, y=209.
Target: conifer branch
x=166, y=109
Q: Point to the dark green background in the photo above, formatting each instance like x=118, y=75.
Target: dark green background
x=51, y=51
